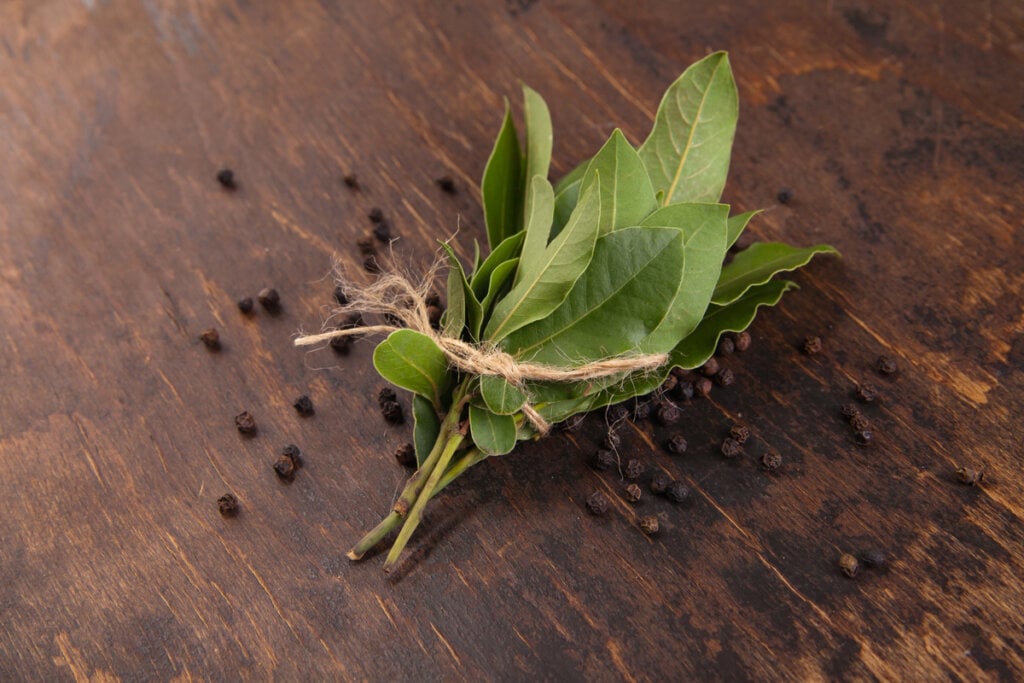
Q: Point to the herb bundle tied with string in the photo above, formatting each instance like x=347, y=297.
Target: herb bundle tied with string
x=593, y=290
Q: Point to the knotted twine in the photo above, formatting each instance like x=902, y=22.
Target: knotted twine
x=396, y=298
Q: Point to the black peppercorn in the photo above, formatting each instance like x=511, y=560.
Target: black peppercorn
x=969, y=476
x=812, y=345
x=406, y=455
x=864, y=437
x=860, y=422
x=874, y=558
x=742, y=341
x=885, y=365
x=304, y=406
x=285, y=468
x=684, y=390
x=649, y=524
x=849, y=411
x=660, y=482
x=703, y=387
x=866, y=393
x=634, y=469
x=293, y=452
x=726, y=346
x=849, y=565
x=603, y=459
x=392, y=412
x=641, y=410
x=351, y=181
x=731, y=448
x=245, y=423
x=771, y=461
x=269, y=298
x=633, y=493
x=667, y=413
x=211, y=338
x=341, y=345
x=676, y=445
x=340, y=296
x=226, y=178
x=678, y=492
x=386, y=395
x=245, y=305
x=376, y=215
x=597, y=503
x=711, y=367
x=740, y=433
x=446, y=184
x=228, y=505
x=725, y=377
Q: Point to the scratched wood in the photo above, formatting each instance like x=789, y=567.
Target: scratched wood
x=899, y=129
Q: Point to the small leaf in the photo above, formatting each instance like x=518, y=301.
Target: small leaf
x=700, y=345
x=493, y=434
x=737, y=224
x=687, y=151
x=757, y=264
x=626, y=194
x=543, y=282
x=567, y=193
x=500, y=187
x=508, y=249
x=426, y=427
x=470, y=314
x=538, y=136
x=501, y=280
x=501, y=397
x=539, y=208
x=704, y=237
x=622, y=297
x=413, y=361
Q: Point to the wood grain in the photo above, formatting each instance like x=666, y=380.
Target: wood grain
x=898, y=127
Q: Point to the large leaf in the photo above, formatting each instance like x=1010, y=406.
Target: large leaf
x=507, y=250
x=463, y=307
x=493, y=434
x=622, y=297
x=567, y=193
x=704, y=245
x=758, y=263
x=539, y=207
x=700, y=345
x=501, y=186
x=737, y=224
x=500, y=395
x=687, y=151
x=426, y=427
x=538, y=135
x=626, y=194
x=546, y=275
x=413, y=361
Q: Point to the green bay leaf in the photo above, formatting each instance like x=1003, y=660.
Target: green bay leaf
x=704, y=246
x=501, y=279
x=500, y=395
x=546, y=273
x=413, y=361
x=501, y=187
x=493, y=434
x=507, y=250
x=464, y=309
x=737, y=224
x=538, y=136
x=687, y=152
x=622, y=297
x=626, y=193
x=757, y=264
x=736, y=316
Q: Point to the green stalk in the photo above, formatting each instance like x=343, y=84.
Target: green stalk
x=413, y=519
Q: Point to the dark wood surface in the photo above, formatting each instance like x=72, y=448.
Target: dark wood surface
x=898, y=127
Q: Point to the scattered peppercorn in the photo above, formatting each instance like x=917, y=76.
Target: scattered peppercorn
x=731, y=448
x=245, y=423
x=864, y=437
x=603, y=459
x=392, y=412
x=667, y=413
x=446, y=184
x=617, y=413
x=284, y=467
x=742, y=341
x=245, y=305
x=849, y=565
x=340, y=296
x=293, y=452
x=376, y=214
x=633, y=493
x=211, y=338
x=304, y=406
x=366, y=246
x=406, y=455
x=351, y=181
x=725, y=377
x=771, y=460
x=382, y=231
x=433, y=299
x=726, y=346
x=740, y=433
x=860, y=422
x=371, y=265
x=885, y=365
x=228, y=505
x=684, y=390
x=634, y=469
x=226, y=178
x=874, y=558
x=597, y=503
x=849, y=411
x=660, y=482
x=969, y=477
x=711, y=367
x=703, y=387
x=669, y=385
x=812, y=345
x=678, y=492
x=649, y=524
x=866, y=393
x=641, y=410
x=784, y=195
x=269, y=298
x=386, y=395
x=612, y=439
x=676, y=445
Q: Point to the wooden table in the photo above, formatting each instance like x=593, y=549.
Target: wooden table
x=898, y=129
